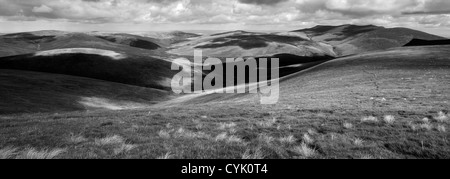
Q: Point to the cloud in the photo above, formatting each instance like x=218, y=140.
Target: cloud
x=437, y=5
x=274, y=13
x=262, y=2
x=426, y=12
x=358, y=7
x=42, y=9
x=431, y=7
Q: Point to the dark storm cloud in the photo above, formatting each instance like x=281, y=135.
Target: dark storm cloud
x=262, y=2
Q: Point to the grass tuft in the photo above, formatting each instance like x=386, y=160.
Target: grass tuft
x=268, y=123
x=164, y=134
x=8, y=153
x=222, y=136
x=183, y=133
x=77, y=139
x=253, y=154
x=234, y=139
x=426, y=126
x=348, y=125
x=307, y=139
x=166, y=156
x=199, y=126
x=169, y=126
x=124, y=148
x=305, y=151
x=413, y=126
x=111, y=140
x=441, y=128
x=389, y=119
x=288, y=140
x=442, y=117
x=266, y=138
x=312, y=132
x=225, y=126
x=369, y=119
x=358, y=142
x=228, y=138
x=367, y=157
x=32, y=153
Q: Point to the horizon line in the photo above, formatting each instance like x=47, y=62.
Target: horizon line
x=213, y=30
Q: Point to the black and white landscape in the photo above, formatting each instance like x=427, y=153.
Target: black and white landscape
x=91, y=79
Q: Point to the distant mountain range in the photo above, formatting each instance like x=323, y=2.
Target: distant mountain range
x=316, y=41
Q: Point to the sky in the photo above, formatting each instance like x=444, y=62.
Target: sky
x=432, y=16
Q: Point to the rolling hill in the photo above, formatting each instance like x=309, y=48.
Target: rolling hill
x=35, y=92
x=168, y=38
x=30, y=42
x=131, y=40
x=241, y=44
x=399, y=79
x=96, y=64
x=354, y=39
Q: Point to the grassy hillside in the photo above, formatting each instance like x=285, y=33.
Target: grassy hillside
x=240, y=43
x=353, y=39
x=343, y=30
x=131, y=40
x=390, y=104
x=168, y=38
x=413, y=78
x=32, y=92
x=24, y=43
x=133, y=70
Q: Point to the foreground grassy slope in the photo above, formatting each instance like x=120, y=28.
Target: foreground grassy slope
x=223, y=131
x=391, y=104
x=31, y=92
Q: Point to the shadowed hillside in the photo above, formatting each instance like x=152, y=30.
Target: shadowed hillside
x=132, y=70
x=133, y=41
x=31, y=92
x=420, y=42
